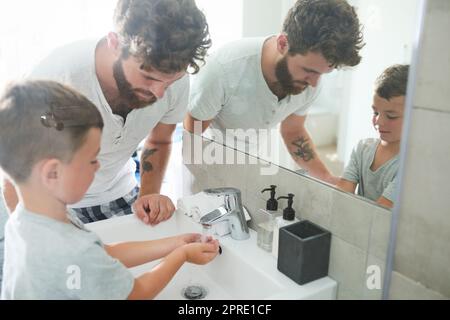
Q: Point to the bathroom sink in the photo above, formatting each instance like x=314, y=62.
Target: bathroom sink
x=242, y=272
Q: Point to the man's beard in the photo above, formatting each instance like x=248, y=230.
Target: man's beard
x=127, y=95
x=285, y=85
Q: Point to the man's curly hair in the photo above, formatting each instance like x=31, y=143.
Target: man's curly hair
x=167, y=35
x=329, y=27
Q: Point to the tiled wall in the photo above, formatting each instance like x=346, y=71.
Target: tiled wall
x=422, y=256
x=360, y=229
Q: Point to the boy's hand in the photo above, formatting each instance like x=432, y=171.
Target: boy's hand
x=189, y=238
x=201, y=253
x=153, y=208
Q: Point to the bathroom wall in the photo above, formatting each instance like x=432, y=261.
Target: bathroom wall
x=422, y=256
x=360, y=229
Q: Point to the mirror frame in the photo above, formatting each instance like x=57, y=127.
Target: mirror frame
x=412, y=84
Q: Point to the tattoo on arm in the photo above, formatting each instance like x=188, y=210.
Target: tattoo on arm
x=146, y=164
x=304, y=149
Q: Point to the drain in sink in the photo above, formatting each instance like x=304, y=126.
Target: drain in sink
x=194, y=292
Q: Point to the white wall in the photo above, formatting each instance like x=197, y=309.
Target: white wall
x=389, y=30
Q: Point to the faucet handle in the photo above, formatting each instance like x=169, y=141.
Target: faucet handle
x=222, y=191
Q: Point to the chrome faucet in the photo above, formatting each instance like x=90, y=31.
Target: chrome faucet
x=231, y=211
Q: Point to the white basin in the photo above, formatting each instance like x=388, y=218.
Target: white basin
x=242, y=272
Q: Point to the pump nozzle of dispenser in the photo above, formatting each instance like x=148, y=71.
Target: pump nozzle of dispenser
x=289, y=212
x=272, y=203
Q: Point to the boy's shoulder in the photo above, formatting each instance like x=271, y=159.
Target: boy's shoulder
x=37, y=231
x=367, y=145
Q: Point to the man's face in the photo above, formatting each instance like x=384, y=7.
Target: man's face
x=139, y=88
x=296, y=73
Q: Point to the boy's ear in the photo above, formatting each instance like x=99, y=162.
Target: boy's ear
x=113, y=43
x=50, y=173
x=282, y=44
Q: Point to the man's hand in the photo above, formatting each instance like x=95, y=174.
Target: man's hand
x=153, y=208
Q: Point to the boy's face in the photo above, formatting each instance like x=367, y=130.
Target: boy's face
x=78, y=174
x=388, y=117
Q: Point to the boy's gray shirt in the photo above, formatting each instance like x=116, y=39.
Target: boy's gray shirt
x=372, y=184
x=49, y=259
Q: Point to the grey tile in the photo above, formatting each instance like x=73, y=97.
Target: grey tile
x=423, y=236
x=351, y=219
x=195, y=179
x=380, y=232
x=403, y=288
x=315, y=202
x=373, y=289
x=346, y=294
x=348, y=265
x=434, y=67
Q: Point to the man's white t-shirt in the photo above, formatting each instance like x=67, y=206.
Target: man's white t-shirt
x=231, y=89
x=74, y=65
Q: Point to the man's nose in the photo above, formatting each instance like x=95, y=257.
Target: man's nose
x=313, y=80
x=158, y=90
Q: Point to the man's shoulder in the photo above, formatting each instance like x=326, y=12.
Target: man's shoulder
x=70, y=58
x=238, y=50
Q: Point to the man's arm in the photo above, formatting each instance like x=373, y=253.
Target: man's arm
x=155, y=157
x=189, y=124
x=10, y=195
x=302, y=149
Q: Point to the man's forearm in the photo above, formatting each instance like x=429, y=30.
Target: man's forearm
x=303, y=152
x=153, y=165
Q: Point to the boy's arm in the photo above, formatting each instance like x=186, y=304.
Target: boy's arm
x=346, y=185
x=10, y=195
x=150, y=284
x=302, y=149
x=385, y=202
x=133, y=254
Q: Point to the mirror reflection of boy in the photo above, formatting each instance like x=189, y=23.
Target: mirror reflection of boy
x=49, y=143
x=374, y=162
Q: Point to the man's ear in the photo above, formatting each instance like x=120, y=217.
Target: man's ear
x=282, y=44
x=50, y=173
x=113, y=43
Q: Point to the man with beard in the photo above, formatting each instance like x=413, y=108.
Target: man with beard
x=137, y=78
x=257, y=83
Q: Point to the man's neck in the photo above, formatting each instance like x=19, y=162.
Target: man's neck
x=104, y=61
x=268, y=64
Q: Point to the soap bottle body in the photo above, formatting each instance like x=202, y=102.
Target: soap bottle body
x=279, y=222
x=265, y=229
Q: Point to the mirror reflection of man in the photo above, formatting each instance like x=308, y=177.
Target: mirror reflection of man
x=136, y=76
x=258, y=83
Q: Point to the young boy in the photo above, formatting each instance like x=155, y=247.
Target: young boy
x=374, y=162
x=49, y=141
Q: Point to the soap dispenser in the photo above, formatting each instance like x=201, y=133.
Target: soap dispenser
x=266, y=226
x=281, y=221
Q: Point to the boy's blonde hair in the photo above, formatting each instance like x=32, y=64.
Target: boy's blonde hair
x=393, y=82
x=42, y=120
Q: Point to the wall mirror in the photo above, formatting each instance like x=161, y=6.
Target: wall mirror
x=342, y=114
